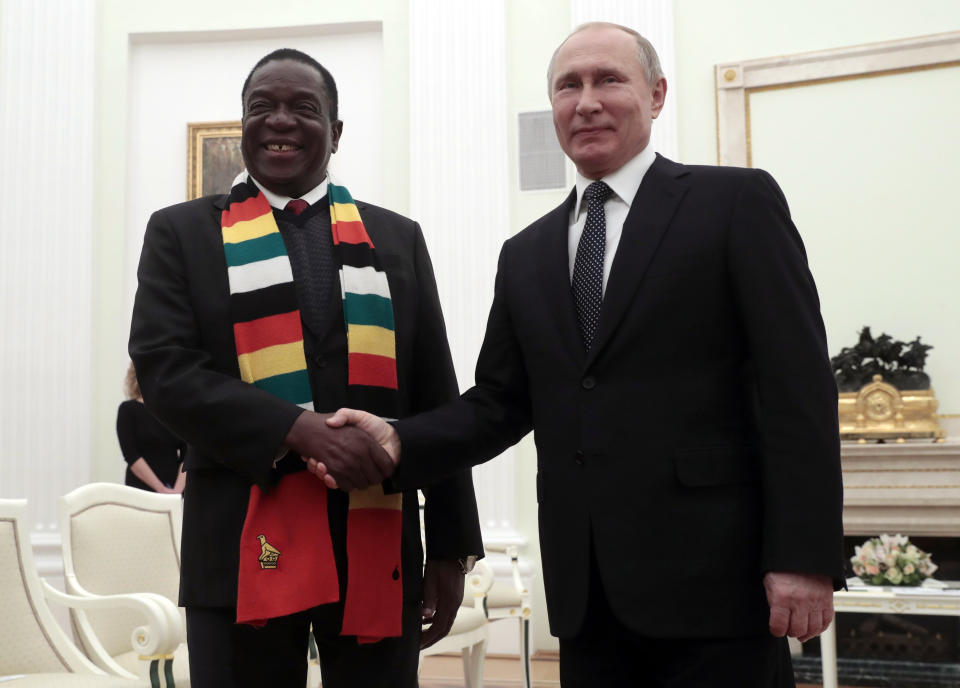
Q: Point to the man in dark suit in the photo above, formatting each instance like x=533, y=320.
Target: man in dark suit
x=660, y=333
x=187, y=351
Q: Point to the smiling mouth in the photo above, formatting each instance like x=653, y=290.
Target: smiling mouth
x=281, y=147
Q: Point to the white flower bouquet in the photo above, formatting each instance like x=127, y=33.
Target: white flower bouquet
x=891, y=560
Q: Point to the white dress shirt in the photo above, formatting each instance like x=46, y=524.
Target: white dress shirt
x=280, y=202
x=624, y=183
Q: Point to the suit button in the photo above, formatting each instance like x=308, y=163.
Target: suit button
x=588, y=382
x=578, y=457
x=320, y=361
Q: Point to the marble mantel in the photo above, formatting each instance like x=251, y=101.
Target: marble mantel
x=911, y=488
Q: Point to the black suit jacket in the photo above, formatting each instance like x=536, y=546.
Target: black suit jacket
x=181, y=343
x=695, y=447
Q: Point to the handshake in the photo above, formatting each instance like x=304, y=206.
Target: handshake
x=349, y=450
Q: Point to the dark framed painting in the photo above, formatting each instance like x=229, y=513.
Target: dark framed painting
x=213, y=157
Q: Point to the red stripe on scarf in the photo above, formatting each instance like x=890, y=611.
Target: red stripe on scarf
x=372, y=370
x=374, y=581
x=293, y=519
x=249, y=209
x=271, y=330
x=351, y=233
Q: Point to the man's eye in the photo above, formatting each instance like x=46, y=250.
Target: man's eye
x=308, y=107
x=256, y=106
x=610, y=80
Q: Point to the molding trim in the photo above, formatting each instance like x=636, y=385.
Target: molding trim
x=297, y=31
x=911, y=488
x=735, y=81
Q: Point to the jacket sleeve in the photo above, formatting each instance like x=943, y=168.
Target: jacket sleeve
x=204, y=403
x=451, y=523
x=486, y=419
x=796, y=395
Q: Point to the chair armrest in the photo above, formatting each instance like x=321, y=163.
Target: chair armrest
x=513, y=552
x=161, y=634
x=478, y=583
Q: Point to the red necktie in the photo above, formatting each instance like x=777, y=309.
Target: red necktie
x=297, y=206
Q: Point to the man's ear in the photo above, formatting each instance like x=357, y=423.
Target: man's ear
x=659, y=95
x=335, y=131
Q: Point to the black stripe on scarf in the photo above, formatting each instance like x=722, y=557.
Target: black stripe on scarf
x=272, y=300
x=358, y=256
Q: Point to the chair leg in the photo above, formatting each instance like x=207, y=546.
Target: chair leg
x=168, y=673
x=473, y=658
x=525, y=651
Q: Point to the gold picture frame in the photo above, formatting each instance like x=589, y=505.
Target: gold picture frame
x=213, y=157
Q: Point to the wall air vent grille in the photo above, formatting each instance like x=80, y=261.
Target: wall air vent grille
x=542, y=163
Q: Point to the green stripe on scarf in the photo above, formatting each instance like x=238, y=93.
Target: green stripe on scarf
x=294, y=387
x=264, y=248
x=369, y=309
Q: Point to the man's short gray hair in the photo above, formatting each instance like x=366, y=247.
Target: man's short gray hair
x=646, y=53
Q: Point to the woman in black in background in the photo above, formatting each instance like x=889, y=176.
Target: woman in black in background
x=153, y=454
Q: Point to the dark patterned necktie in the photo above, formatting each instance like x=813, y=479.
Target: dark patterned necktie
x=297, y=206
x=588, y=267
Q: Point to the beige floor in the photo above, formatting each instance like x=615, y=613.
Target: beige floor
x=446, y=671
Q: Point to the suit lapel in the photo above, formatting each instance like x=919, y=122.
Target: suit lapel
x=650, y=213
x=554, y=276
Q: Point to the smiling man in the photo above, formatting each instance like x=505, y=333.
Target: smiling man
x=256, y=311
x=660, y=333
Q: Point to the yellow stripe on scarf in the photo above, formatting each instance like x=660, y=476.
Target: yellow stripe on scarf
x=371, y=339
x=346, y=212
x=249, y=229
x=272, y=360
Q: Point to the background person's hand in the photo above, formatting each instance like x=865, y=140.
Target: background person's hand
x=348, y=454
x=801, y=604
x=442, y=595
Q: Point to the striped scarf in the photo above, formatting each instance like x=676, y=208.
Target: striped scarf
x=287, y=566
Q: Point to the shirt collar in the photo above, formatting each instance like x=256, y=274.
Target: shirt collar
x=280, y=202
x=624, y=182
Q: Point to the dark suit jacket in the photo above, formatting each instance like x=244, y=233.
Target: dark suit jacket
x=695, y=447
x=182, y=346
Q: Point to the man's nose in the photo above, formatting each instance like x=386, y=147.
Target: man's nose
x=588, y=103
x=281, y=118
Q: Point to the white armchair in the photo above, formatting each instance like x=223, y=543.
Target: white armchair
x=469, y=631
x=512, y=601
x=33, y=647
x=119, y=539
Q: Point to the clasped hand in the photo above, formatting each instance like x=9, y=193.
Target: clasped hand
x=801, y=604
x=341, y=449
